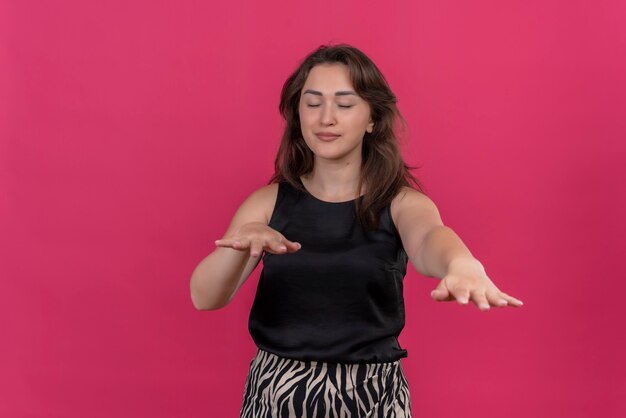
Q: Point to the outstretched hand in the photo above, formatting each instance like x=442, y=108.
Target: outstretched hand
x=467, y=279
x=257, y=237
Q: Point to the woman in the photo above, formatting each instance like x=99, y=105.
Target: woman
x=337, y=224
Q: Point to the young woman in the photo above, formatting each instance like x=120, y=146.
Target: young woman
x=335, y=227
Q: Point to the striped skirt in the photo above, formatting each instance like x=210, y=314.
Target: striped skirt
x=278, y=387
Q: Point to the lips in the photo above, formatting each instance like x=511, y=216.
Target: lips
x=326, y=136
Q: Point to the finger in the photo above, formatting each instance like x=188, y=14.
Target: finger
x=441, y=294
x=225, y=242
x=242, y=243
x=495, y=299
x=276, y=247
x=256, y=247
x=291, y=245
x=462, y=296
x=230, y=243
x=481, y=301
x=511, y=301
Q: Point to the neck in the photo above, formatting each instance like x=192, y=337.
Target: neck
x=334, y=180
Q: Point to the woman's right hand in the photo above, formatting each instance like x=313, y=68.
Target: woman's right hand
x=258, y=237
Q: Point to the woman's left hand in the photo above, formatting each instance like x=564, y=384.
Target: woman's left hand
x=466, y=278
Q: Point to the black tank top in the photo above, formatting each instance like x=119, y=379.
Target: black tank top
x=340, y=297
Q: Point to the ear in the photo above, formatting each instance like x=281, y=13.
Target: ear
x=370, y=127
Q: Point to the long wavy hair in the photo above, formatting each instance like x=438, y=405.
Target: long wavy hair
x=383, y=171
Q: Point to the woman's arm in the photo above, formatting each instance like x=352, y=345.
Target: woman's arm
x=415, y=216
x=217, y=278
x=435, y=250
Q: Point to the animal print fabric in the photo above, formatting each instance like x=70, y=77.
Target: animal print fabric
x=278, y=387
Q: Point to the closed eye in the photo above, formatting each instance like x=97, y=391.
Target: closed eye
x=345, y=107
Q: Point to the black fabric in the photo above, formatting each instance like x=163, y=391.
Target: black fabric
x=340, y=297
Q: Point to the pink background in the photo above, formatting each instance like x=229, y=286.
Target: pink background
x=130, y=131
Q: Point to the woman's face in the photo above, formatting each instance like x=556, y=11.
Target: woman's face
x=328, y=103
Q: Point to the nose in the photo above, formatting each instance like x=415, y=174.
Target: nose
x=328, y=115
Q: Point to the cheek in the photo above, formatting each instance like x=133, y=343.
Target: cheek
x=365, y=121
x=305, y=117
x=356, y=122
x=304, y=110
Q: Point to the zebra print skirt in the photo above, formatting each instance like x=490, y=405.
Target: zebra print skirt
x=278, y=387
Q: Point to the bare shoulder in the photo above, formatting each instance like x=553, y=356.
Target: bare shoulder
x=261, y=201
x=412, y=204
x=257, y=207
x=408, y=197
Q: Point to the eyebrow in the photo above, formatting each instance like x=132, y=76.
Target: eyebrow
x=337, y=93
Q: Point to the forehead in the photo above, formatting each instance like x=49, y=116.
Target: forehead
x=328, y=79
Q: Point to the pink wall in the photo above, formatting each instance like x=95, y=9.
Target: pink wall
x=130, y=131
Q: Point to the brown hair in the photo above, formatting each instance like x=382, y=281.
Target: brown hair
x=383, y=170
